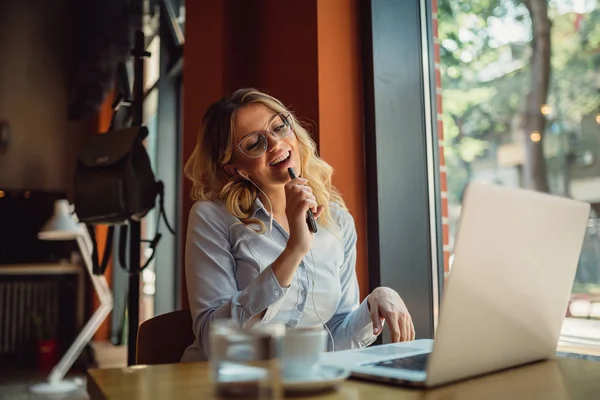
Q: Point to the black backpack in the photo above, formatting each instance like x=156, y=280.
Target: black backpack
x=114, y=181
x=115, y=184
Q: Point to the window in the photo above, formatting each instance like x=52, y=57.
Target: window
x=494, y=132
x=179, y=7
x=152, y=65
x=150, y=223
x=160, y=280
x=401, y=148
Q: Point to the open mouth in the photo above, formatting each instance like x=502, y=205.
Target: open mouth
x=282, y=160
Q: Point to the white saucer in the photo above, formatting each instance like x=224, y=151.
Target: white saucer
x=321, y=378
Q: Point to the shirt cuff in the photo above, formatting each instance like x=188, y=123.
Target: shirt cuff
x=260, y=294
x=362, y=326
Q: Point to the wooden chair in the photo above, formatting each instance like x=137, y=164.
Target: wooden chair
x=163, y=339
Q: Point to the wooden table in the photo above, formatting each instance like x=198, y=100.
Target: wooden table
x=562, y=378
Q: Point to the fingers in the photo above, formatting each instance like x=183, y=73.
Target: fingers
x=408, y=332
x=295, y=185
x=395, y=325
x=298, y=187
x=309, y=194
x=309, y=203
x=300, y=198
x=376, y=320
x=401, y=326
x=392, y=309
x=296, y=182
x=393, y=320
x=302, y=194
x=319, y=211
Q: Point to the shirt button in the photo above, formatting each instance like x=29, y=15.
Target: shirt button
x=303, y=292
x=277, y=292
x=300, y=307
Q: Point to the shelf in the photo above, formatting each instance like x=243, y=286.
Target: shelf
x=40, y=269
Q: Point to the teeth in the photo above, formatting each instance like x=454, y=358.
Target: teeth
x=280, y=158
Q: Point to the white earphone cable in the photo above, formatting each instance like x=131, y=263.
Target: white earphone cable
x=313, y=301
x=314, y=272
x=270, y=205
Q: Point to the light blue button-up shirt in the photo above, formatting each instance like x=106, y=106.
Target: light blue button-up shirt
x=228, y=273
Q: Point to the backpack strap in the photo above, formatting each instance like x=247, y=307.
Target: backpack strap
x=153, y=243
x=123, y=234
x=100, y=268
x=161, y=202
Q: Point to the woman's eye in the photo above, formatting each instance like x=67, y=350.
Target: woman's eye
x=254, y=142
x=252, y=145
x=280, y=128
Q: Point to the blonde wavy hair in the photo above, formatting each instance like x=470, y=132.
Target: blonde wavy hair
x=215, y=149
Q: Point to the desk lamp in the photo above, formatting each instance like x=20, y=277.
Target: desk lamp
x=64, y=225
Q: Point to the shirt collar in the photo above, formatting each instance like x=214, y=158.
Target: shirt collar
x=258, y=206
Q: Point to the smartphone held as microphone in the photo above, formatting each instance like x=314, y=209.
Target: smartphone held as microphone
x=310, y=218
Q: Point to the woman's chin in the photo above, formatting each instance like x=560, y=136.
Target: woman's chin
x=280, y=176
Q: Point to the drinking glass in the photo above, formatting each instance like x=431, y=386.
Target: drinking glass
x=245, y=362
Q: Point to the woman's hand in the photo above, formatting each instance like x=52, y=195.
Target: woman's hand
x=386, y=304
x=299, y=199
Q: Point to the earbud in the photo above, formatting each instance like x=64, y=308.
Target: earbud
x=243, y=175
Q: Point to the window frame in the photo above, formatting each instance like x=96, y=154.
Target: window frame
x=403, y=188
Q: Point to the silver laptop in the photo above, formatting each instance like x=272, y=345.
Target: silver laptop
x=504, y=303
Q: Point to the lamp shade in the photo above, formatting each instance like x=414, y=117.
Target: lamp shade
x=61, y=226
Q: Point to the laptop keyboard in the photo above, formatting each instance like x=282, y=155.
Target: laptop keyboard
x=413, y=363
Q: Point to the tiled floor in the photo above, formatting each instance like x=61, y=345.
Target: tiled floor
x=15, y=384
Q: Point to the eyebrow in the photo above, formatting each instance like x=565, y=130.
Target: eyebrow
x=268, y=124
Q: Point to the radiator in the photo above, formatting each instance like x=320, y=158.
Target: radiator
x=25, y=305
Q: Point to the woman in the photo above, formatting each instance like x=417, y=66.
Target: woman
x=250, y=255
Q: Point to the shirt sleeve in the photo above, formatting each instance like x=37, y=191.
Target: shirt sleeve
x=211, y=284
x=351, y=325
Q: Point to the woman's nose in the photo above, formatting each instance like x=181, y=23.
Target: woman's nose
x=273, y=142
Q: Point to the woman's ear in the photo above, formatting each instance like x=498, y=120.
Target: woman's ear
x=234, y=171
x=231, y=170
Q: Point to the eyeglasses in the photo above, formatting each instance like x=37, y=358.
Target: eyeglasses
x=255, y=144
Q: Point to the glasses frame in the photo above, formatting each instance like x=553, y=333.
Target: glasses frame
x=285, y=116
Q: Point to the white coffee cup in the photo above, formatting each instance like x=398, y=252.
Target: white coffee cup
x=302, y=349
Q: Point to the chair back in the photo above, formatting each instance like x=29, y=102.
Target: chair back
x=164, y=338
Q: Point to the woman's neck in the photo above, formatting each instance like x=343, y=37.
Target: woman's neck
x=277, y=201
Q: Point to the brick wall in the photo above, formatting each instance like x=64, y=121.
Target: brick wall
x=443, y=181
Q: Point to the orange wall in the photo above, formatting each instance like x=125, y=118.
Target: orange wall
x=265, y=51
x=104, y=116
x=304, y=52
x=340, y=111
x=203, y=83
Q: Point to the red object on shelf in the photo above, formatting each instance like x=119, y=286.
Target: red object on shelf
x=47, y=354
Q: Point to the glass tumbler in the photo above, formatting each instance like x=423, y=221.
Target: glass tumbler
x=245, y=362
